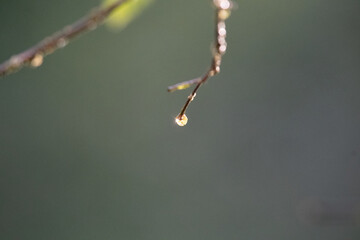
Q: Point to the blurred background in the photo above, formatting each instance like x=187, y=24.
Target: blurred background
x=89, y=148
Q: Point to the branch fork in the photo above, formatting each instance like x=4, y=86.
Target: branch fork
x=222, y=12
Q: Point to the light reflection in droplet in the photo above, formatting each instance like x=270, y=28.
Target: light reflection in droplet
x=225, y=4
x=181, y=120
x=222, y=48
x=222, y=32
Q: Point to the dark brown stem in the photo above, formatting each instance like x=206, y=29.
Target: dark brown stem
x=34, y=55
x=222, y=12
x=192, y=95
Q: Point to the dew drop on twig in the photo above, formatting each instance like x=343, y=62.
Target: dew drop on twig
x=62, y=42
x=37, y=60
x=181, y=120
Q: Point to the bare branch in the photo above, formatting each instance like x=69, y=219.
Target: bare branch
x=222, y=12
x=34, y=55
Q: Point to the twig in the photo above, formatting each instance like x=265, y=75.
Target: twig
x=34, y=55
x=222, y=12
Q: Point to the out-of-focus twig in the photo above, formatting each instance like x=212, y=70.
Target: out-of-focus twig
x=34, y=55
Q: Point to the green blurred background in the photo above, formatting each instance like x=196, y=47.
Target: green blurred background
x=89, y=148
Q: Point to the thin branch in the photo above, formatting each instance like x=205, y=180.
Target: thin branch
x=222, y=12
x=34, y=55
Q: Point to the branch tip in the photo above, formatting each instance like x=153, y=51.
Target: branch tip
x=34, y=56
x=222, y=12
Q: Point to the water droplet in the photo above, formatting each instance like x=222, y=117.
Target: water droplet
x=217, y=69
x=181, y=120
x=223, y=4
x=222, y=48
x=37, y=60
x=15, y=61
x=222, y=31
x=62, y=42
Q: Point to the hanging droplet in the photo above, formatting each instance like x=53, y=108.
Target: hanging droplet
x=37, y=60
x=181, y=120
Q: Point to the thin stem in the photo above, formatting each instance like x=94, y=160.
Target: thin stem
x=192, y=95
x=183, y=85
x=222, y=12
x=34, y=55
